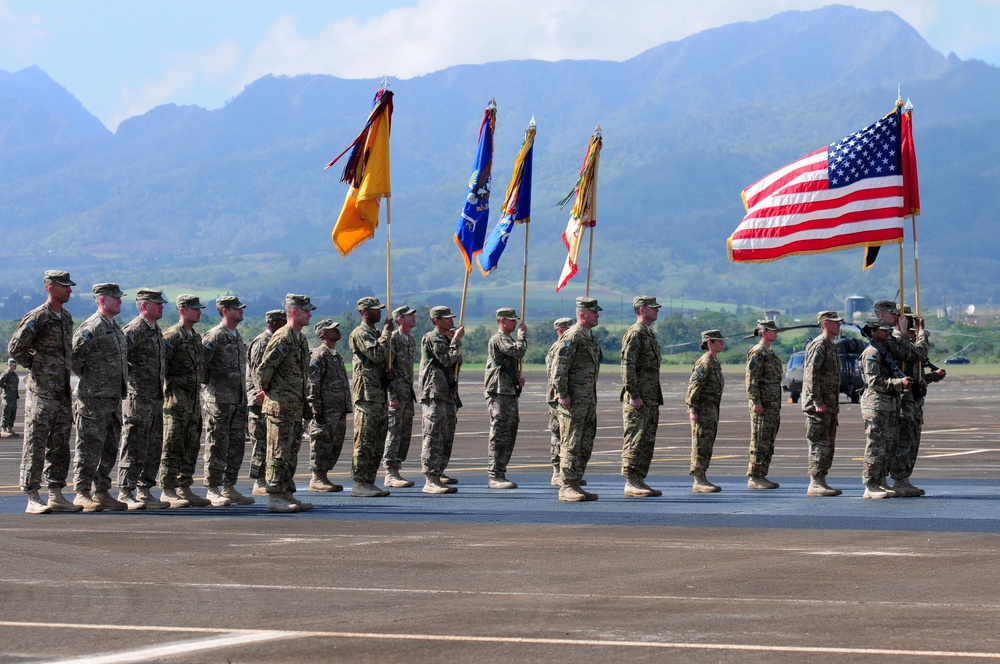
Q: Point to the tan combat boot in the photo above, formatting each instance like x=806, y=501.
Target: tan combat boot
x=432, y=485
x=259, y=487
x=367, y=490
x=277, y=504
x=131, y=502
x=215, y=497
x=634, y=486
x=556, y=477
x=108, y=502
x=173, y=500
x=394, y=480
x=57, y=503
x=84, y=500
x=501, y=482
x=189, y=495
x=570, y=492
x=904, y=489
x=300, y=505
x=444, y=479
x=36, y=505
x=702, y=485
x=818, y=488
x=321, y=483
x=143, y=495
x=876, y=491
x=235, y=497
x=761, y=482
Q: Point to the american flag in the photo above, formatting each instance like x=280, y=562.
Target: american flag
x=847, y=194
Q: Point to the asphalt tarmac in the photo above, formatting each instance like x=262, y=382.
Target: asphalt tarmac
x=518, y=576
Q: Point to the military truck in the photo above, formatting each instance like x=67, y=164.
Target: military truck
x=851, y=383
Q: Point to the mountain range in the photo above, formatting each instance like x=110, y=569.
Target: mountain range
x=237, y=200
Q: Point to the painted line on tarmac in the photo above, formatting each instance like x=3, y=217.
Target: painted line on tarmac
x=939, y=455
x=239, y=637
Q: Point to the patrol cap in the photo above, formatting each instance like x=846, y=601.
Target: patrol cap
x=562, y=323
x=441, y=312
x=58, y=277
x=325, y=325
x=275, y=315
x=187, y=301
x=12, y=361
x=886, y=306
x=645, y=301
x=587, y=303
x=907, y=311
x=404, y=310
x=506, y=313
x=108, y=289
x=229, y=302
x=150, y=295
x=299, y=301
x=766, y=325
x=710, y=335
x=370, y=303
x=828, y=315
x=875, y=323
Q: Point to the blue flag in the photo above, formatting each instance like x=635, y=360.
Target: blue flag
x=516, y=206
x=471, y=231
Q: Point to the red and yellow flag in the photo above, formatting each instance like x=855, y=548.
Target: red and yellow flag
x=584, y=212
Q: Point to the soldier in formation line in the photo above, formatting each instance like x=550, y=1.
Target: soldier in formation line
x=329, y=397
x=821, y=402
x=440, y=360
x=641, y=397
x=763, y=382
x=371, y=377
x=704, y=394
x=9, y=383
x=402, y=398
x=502, y=387
x=560, y=325
x=256, y=420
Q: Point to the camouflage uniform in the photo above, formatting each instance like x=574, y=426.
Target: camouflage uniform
x=282, y=375
x=142, y=412
x=880, y=410
x=911, y=357
x=328, y=393
x=225, y=357
x=574, y=372
x=552, y=400
x=704, y=394
x=763, y=381
x=256, y=420
x=400, y=428
x=370, y=350
x=640, y=367
x=42, y=344
x=100, y=359
x=439, y=400
x=9, y=382
x=501, y=390
x=821, y=385
x=183, y=372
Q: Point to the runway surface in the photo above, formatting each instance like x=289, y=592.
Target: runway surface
x=517, y=576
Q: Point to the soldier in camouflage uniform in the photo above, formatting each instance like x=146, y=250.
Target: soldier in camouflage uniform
x=560, y=325
x=9, y=382
x=42, y=344
x=369, y=389
x=329, y=395
x=763, y=380
x=184, y=370
x=100, y=359
x=440, y=358
x=256, y=420
x=641, y=397
x=502, y=385
x=402, y=398
x=880, y=408
x=911, y=355
x=574, y=375
x=821, y=402
x=282, y=375
x=225, y=404
x=142, y=412
x=704, y=394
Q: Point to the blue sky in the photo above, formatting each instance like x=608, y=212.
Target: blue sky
x=123, y=57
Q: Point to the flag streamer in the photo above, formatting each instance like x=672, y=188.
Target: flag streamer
x=584, y=212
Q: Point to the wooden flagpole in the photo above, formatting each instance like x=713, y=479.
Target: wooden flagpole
x=388, y=271
x=916, y=269
x=593, y=221
x=902, y=297
x=524, y=291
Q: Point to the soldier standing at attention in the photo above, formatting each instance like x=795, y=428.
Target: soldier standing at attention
x=503, y=384
x=42, y=344
x=704, y=394
x=329, y=396
x=560, y=325
x=256, y=420
x=821, y=402
x=184, y=369
x=9, y=382
x=142, y=412
x=879, y=408
x=282, y=377
x=225, y=404
x=574, y=373
x=369, y=390
x=100, y=359
x=440, y=357
x=641, y=397
x=763, y=381
x=401, y=398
